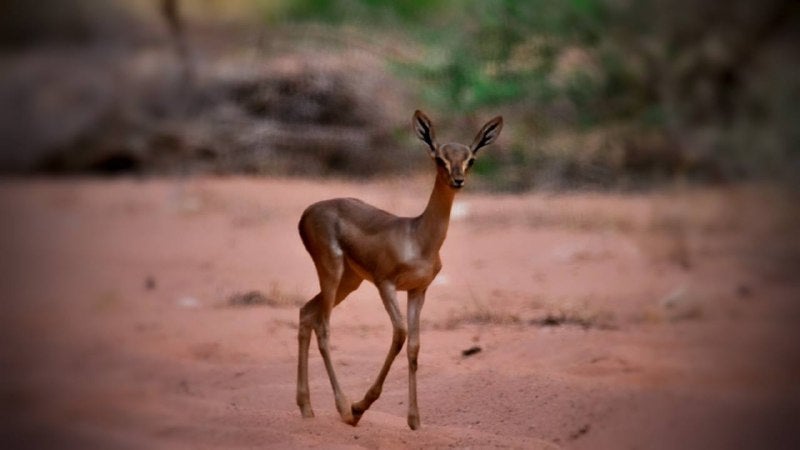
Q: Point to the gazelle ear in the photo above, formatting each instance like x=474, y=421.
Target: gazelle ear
x=488, y=133
x=423, y=128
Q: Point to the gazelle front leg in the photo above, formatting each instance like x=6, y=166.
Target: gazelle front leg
x=416, y=299
x=389, y=297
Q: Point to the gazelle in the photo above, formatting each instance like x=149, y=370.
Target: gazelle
x=351, y=241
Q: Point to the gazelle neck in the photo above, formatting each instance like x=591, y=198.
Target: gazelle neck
x=433, y=223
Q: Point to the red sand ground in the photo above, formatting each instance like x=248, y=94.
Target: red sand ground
x=605, y=321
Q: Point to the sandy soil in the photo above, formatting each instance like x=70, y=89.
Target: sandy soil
x=605, y=321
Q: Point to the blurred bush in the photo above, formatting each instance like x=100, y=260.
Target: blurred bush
x=173, y=87
x=603, y=92
x=596, y=93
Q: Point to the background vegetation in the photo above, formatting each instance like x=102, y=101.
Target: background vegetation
x=596, y=93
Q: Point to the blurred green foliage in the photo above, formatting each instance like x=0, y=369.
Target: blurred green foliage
x=479, y=53
x=599, y=93
x=339, y=11
x=643, y=87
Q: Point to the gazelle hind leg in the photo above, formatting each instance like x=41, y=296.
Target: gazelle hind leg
x=309, y=316
x=336, y=281
x=308, y=319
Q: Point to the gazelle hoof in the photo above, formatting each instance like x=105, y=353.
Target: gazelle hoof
x=307, y=412
x=346, y=413
x=413, y=422
x=350, y=419
x=357, y=413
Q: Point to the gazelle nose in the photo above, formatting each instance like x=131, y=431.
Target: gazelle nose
x=458, y=183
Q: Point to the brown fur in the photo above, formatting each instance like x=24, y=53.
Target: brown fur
x=351, y=241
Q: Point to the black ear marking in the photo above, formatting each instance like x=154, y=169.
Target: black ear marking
x=488, y=133
x=424, y=132
x=423, y=128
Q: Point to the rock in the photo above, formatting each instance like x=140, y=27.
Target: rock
x=471, y=351
x=251, y=298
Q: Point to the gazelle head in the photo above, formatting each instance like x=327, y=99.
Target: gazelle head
x=454, y=160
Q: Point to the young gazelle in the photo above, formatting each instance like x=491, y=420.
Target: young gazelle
x=351, y=241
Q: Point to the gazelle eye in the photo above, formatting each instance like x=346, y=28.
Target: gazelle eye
x=440, y=162
x=470, y=162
